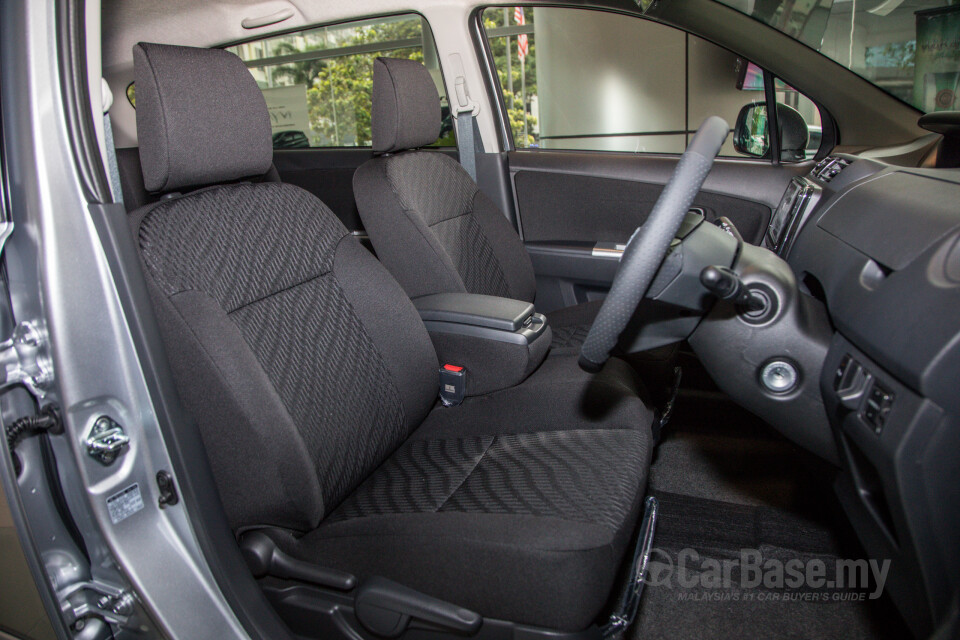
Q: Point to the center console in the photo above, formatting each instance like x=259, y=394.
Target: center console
x=498, y=341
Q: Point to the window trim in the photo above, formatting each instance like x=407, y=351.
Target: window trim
x=484, y=54
x=773, y=125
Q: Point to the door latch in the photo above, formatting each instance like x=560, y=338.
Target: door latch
x=106, y=440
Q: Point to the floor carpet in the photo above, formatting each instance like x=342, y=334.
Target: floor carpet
x=726, y=482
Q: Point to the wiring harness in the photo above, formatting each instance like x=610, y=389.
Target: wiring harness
x=47, y=420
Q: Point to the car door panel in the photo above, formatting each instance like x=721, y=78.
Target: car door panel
x=568, y=202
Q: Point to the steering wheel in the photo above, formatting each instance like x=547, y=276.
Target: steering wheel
x=649, y=243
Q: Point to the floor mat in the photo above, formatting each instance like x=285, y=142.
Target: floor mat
x=720, y=527
x=729, y=485
x=669, y=611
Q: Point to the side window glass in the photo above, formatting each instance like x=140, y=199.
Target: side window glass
x=579, y=79
x=318, y=83
x=719, y=83
x=594, y=80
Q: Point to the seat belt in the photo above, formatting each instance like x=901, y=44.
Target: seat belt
x=113, y=168
x=469, y=143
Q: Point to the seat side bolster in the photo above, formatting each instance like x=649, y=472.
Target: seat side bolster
x=257, y=455
x=507, y=248
x=402, y=240
x=393, y=324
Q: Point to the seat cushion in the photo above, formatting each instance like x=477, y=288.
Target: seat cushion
x=558, y=395
x=519, y=505
x=572, y=324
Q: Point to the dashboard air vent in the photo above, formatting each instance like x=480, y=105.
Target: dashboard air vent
x=828, y=168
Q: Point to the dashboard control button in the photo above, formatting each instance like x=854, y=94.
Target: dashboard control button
x=841, y=369
x=880, y=395
x=852, y=392
x=877, y=407
x=850, y=381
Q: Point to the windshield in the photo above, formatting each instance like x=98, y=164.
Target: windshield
x=908, y=48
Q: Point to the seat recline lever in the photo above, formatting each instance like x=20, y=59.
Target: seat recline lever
x=386, y=608
x=265, y=559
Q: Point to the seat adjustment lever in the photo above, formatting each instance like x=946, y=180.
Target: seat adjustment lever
x=386, y=609
x=265, y=559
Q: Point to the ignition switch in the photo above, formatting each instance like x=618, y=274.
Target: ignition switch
x=779, y=376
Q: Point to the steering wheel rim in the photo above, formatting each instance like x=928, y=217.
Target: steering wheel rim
x=649, y=243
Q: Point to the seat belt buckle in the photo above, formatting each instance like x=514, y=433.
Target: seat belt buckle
x=453, y=384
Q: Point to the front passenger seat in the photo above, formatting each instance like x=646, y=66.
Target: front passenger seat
x=314, y=384
x=428, y=221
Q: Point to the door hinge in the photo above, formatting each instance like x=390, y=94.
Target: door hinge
x=87, y=598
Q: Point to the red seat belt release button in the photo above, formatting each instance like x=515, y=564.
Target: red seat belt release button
x=453, y=384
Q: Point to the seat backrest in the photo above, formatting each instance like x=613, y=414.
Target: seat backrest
x=431, y=226
x=301, y=359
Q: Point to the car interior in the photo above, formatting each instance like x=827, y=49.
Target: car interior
x=462, y=373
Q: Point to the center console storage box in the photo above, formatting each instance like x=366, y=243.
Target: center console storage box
x=500, y=341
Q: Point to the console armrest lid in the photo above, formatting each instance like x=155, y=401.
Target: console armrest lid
x=504, y=314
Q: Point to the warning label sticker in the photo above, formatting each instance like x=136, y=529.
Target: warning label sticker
x=125, y=503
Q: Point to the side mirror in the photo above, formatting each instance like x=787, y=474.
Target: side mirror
x=750, y=135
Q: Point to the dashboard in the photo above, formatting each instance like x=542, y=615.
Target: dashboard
x=879, y=246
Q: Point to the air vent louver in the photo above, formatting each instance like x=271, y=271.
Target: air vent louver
x=828, y=168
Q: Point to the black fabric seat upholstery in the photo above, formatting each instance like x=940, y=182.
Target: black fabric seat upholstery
x=428, y=221
x=314, y=384
x=135, y=194
x=503, y=505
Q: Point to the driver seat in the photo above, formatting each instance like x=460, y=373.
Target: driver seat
x=314, y=385
x=430, y=224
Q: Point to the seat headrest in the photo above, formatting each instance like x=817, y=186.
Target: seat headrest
x=201, y=119
x=406, y=106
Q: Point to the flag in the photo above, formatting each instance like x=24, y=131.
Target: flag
x=523, y=46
